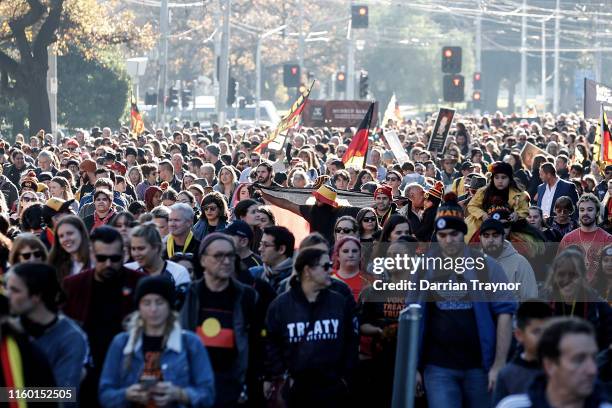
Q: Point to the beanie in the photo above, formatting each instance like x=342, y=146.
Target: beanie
x=492, y=224
x=450, y=215
x=384, y=190
x=501, y=168
x=160, y=285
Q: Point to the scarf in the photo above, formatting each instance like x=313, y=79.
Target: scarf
x=12, y=368
x=98, y=222
x=170, y=244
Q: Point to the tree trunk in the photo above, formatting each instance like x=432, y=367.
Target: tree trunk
x=39, y=112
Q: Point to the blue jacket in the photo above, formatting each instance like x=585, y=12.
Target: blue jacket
x=184, y=363
x=67, y=350
x=485, y=310
x=564, y=188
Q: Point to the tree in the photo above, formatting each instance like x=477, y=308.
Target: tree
x=91, y=92
x=31, y=26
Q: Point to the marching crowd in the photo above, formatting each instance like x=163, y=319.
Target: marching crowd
x=162, y=269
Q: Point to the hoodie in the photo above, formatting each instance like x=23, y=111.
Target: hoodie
x=274, y=275
x=518, y=270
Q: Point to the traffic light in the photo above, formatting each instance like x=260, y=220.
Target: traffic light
x=477, y=99
x=291, y=75
x=232, y=87
x=451, y=60
x=363, y=84
x=453, y=88
x=340, y=82
x=173, y=98
x=186, y=98
x=359, y=16
x=150, y=98
x=476, y=83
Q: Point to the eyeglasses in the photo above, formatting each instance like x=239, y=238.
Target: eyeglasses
x=392, y=179
x=211, y=208
x=221, y=256
x=326, y=266
x=113, y=258
x=28, y=255
x=344, y=230
x=369, y=219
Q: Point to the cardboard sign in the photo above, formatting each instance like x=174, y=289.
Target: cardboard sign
x=319, y=113
x=440, y=130
x=396, y=146
x=529, y=151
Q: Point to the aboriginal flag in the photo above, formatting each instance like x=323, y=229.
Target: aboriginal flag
x=355, y=155
x=137, y=123
x=289, y=120
x=602, y=147
x=217, y=328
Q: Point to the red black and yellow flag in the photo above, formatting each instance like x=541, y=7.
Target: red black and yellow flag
x=602, y=147
x=355, y=155
x=136, y=119
x=217, y=329
x=289, y=120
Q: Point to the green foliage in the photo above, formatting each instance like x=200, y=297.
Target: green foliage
x=91, y=92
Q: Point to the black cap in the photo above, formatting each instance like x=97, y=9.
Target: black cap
x=131, y=151
x=239, y=228
x=466, y=165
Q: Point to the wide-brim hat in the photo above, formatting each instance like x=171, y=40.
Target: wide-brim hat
x=327, y=195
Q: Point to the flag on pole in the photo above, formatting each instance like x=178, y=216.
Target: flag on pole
x=392, y=112
x=355, y=155
x=136, y=119
x=289, y=120
x=602, y=146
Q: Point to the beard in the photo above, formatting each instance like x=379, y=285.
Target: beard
x=493, y=250
x=588, y=222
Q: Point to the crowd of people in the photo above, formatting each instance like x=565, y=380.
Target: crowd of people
x=162, y=269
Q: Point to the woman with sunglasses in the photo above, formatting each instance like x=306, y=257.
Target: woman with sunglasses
x=562, y=222
x=369, y=229
x=27, y=248
x=215, y=215
x=394, y=180
x=569, y=294
x=346, y=226
x=26, y=199
x=70, y=251
x=317, y=368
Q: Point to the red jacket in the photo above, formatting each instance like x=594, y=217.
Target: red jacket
x=78, y=292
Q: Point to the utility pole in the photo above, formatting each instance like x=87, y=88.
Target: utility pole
x=163, y=64
x=301, y=46
x=52, y=89
x=598, y=56
x=260, y=38
x=350, y=72
x=524, y=59
x=224, y=63
x=217, y=50
x=543, y=57
x=479, y=42
x=556, y=68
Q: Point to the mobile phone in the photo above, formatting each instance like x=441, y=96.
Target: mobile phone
x=148, y=382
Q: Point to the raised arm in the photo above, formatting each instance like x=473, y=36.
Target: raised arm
x=281, y=202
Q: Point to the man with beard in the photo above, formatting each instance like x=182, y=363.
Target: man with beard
x=517, y=267
x=464, y=366
x=567, y=351
x=322, y=215
x=383, y=204
x=99, y=299
x=589, y=236
x=265, y=175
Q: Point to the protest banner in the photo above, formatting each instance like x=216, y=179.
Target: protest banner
x=529, y=151
x=396, y=146
x=440, y=131
x=596, y=95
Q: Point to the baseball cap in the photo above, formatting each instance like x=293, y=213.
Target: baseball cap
x=239, y=228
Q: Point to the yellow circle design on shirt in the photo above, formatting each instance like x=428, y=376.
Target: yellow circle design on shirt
x=211, y=327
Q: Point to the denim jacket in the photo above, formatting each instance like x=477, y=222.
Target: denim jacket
x=184, y=363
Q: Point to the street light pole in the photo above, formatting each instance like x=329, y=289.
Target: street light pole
x=224, y=63
x=260, y=38
x=524, y=58
x=556, y=68
x=163, y=63
x=543, y=57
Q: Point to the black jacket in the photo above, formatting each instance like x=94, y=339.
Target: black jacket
x=312, y=341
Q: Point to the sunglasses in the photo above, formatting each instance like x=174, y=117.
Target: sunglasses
x=182, y=255
x=221, y=256
x=211, y=208
x=28, y=255
x=28, y=199
x=326, y=266
x=113, y=258
x=369, y=219
x=344, y=230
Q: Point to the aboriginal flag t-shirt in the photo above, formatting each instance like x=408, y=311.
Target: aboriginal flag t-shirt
x=216, y=326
